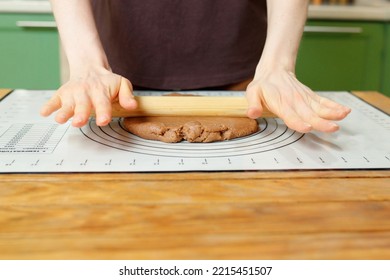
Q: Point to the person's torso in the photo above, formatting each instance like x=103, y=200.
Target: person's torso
x=182, y=44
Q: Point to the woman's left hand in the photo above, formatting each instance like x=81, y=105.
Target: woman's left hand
x=296, y=104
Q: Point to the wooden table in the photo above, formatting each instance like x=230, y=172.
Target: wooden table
x=221, y=215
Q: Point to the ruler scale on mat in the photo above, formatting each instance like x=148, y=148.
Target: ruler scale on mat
x=30, y=143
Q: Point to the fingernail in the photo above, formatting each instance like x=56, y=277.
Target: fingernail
x=133, y=103
x=43, y=112
x=103, y=119
x=253, y=112
x=62, y=116
x=77, y=119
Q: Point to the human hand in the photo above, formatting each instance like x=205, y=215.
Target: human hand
x=90, y=89
x=297, y=105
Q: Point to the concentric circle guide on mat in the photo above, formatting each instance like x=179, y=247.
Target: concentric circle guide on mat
x=30, y=143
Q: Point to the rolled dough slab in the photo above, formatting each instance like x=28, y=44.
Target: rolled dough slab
x=191, y=129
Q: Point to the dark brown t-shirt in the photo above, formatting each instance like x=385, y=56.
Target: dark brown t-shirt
x=182, y=44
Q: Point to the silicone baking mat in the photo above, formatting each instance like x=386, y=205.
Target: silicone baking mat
x=30, y=143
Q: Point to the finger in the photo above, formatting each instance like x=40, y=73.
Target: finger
x=82, y=111
x=294, y=121
x=337, y=111
x=255, y=109
x=51, y=106
x=328, y=109
x=126, y=97
x=102, y=105
x=311, y=117
x=309, y=108
x=66, y=111
x=322, y=107
x=323, y=125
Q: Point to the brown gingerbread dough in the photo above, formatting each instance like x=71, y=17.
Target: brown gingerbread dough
x=192, y=129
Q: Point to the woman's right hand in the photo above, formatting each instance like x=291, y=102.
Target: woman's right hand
x=87, y=90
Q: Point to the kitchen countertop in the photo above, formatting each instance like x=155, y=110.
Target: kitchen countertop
x=356, y=12
x=198, y=215
x=25, y=7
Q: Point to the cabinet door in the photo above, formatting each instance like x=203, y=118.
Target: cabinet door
x=341, y=55
x=386, y=67
x=29, y=51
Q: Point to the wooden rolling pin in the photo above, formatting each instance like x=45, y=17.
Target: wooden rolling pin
x=187, y=106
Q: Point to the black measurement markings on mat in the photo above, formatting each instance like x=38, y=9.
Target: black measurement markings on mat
x=31, y=138
x=271, y=136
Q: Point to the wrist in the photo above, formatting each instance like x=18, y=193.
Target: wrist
x=87, y=69
x=85, y=60
x=273, y=65
x=279, y=56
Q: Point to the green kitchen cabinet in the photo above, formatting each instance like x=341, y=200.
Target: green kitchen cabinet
x=342, y=55
x=29, y=48
x=386, y=64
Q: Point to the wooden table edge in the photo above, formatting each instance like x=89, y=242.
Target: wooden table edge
x=4, y=92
